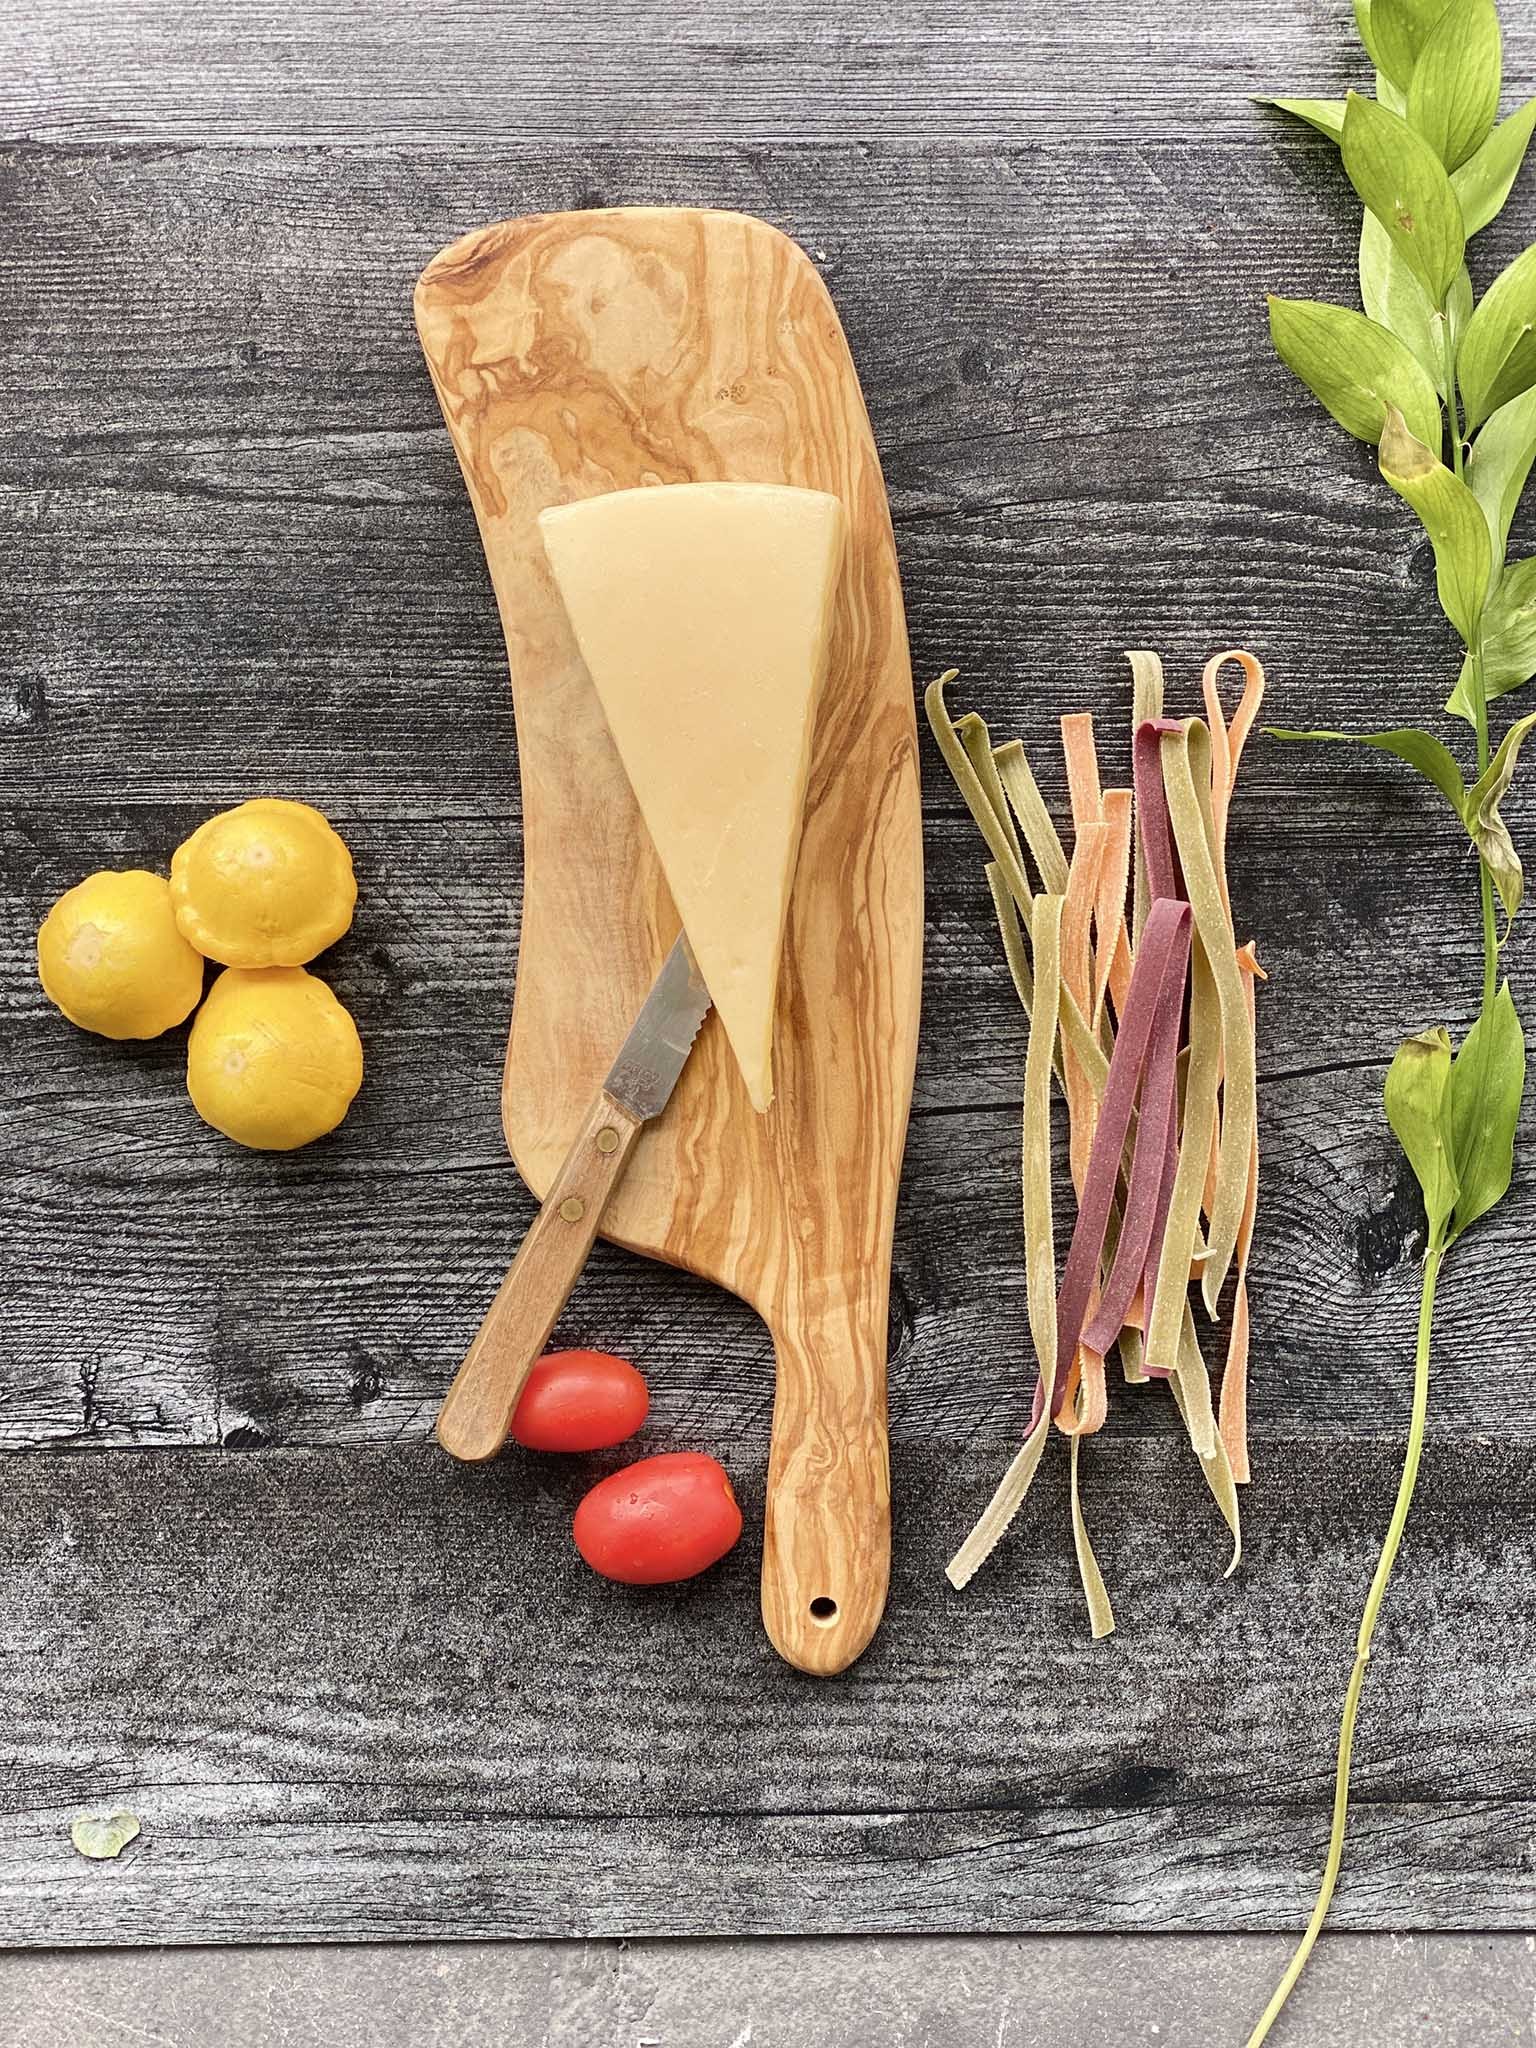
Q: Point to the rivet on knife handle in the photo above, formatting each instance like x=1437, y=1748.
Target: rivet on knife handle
x=474, y=1419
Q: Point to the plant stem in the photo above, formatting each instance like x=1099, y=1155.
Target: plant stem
x=1479, y=689
x=1373, y=1602
x=1478, y=693
x=1452, y=405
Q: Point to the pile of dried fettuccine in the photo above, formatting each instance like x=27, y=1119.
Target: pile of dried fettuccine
x=1145, y=1021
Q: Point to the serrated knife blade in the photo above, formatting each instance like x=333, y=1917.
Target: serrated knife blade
x=477, y=1411
x=654, y=1054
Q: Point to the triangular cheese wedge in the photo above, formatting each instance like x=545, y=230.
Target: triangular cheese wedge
x=702, y=612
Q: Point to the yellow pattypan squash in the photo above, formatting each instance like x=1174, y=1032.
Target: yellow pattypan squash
x=274, y=1058
x=110, y=955
x=268, y=884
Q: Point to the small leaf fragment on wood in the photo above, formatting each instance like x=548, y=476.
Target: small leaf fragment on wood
x=101, y=1836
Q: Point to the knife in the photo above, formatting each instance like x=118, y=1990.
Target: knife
x=476, y=1415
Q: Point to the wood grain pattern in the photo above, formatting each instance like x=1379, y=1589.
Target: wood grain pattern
x=238, y=558
x=238, y=565
x=352, y=1691
x=766, y=72
x=580, y=353
x=478, y=1408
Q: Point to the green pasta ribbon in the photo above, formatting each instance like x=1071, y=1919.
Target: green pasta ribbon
x=1187, y=779
x=1039, y=1241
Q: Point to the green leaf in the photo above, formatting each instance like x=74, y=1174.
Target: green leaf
x=1458, y=304
x=1402, y=181
x=1326, y=116
x=1417, y=1097
x=1453, y=96
x=1392, y=97
x=1459, y=702
x=1367, y=31
x=1490, y=834
x=1500, y=463
x=1487, y=1087
x=1452, y=518
x=1394, y=299
x=1421, y=750
x=1355, y=367
x=1508, y=648
x=1400, y=29
x=1497, y=359
x=103, y=1835
x=1484, y=181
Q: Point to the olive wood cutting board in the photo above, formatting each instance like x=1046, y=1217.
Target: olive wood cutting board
x=579, y=353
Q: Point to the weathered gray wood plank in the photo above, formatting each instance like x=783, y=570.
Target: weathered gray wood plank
x=355, y=1689
x=162, y=1290
x=239, y=559
x=921, y=69
x=353, y=1692
x=1061, y=474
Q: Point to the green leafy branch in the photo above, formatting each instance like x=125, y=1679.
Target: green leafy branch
x=1443, y=384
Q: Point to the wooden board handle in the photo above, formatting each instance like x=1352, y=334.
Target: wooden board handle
x=827, y=1531
x=473, y=1421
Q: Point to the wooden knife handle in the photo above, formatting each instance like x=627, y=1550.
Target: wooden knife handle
x=827, y=1530
x=473, y=1421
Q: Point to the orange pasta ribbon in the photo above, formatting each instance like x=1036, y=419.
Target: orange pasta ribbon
x=1077, y=915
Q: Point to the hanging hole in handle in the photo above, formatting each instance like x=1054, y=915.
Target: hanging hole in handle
x=824, y=1609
